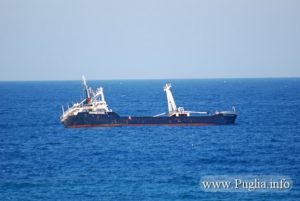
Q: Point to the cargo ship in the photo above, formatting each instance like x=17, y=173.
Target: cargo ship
x=94, y=112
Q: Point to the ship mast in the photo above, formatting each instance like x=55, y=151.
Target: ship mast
x=102, y=95
x=87, y=91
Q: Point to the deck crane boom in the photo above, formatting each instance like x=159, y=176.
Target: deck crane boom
x=172, y=108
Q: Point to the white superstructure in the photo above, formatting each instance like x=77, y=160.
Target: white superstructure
x=93, y=103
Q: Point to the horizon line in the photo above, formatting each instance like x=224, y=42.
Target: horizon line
x=138, y=79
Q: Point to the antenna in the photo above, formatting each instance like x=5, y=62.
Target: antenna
x=84, y=80
x=87, y=91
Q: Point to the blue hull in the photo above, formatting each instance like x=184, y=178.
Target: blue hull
x=111, y=119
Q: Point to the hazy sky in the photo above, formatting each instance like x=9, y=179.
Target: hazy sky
x=141, y=39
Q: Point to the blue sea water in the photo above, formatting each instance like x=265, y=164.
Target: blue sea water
x=42, y=160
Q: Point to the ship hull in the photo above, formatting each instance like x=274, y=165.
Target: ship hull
x=111, y=119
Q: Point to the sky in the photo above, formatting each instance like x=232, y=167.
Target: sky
x=148, y=39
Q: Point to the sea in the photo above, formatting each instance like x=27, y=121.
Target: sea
x=40, y=159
